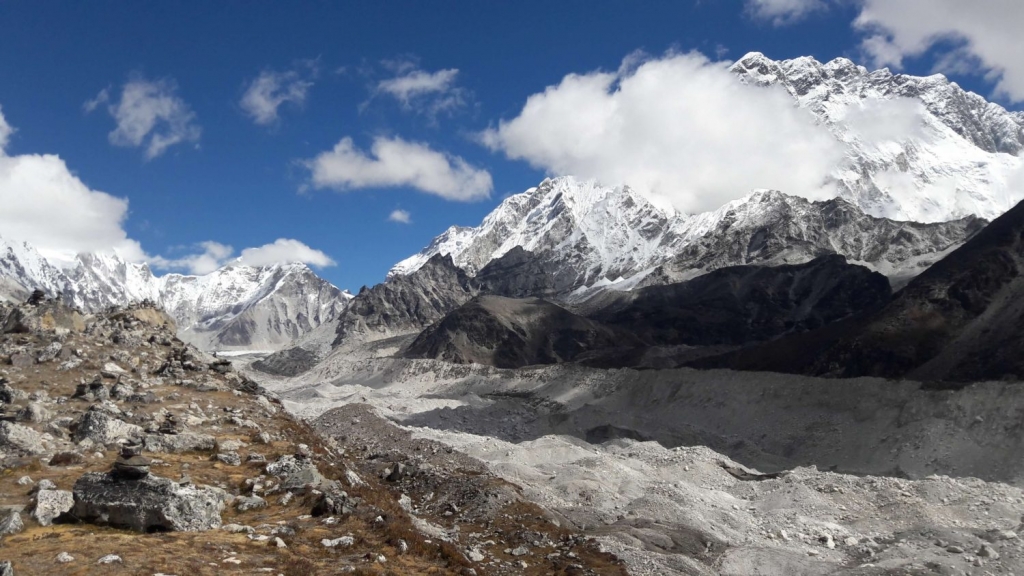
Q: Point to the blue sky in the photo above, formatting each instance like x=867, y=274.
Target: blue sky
x=240, y=174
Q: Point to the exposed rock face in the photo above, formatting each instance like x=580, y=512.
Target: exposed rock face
x=406, y=303
x=959, y=320
x=511, y=333
x=743, y=304
x=150, y=504
x=770, y=228
x=11, y=523
x=43, y=317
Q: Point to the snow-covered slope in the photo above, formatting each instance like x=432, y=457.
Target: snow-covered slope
x=917, y=148
x=235, y=307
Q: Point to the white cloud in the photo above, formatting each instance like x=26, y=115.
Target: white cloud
x=149, y=115
x=987, y=30
x=393, y=162
x=272, y=89
x=400, y=216
x=680, y=126
x=428, y=93
x=878, y=120
x=215, y=255
x=783, y=11
x=5, y=132
x=45, y=204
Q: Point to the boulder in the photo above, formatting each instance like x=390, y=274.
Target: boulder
x=296, y=473
x=150, y=504
x=104, y=429
x=48, y=316
x=20, y=439
x=50, y=505
x=6, y=569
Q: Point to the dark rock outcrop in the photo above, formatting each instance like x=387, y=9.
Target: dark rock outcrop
x=407, y=303
x=958, y=321
x=288, y=363
x=149, y=504
x=744, y=304
x=511, y=333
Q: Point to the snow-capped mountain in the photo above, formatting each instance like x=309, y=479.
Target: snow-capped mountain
x=917, y=148
x=235, y=307
x=582, y=236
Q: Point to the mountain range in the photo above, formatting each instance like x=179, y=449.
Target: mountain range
x=904, y=200
x=235, y=307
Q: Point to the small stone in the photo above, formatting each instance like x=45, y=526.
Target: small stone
x=110, y=559
x=827, y=541
x=50, y=504
x=65, y=558
x=279, y=543
x=954, y=549
x=475, y=555
x=344, y=542
x=24, y=481
x=230, y=458
x=403, y=547
x=520, y=551
x=247, y=503
x=45, y=484
x=989, y=552
x=6, y=569
x=851, y=541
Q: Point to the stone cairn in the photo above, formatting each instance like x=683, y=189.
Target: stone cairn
x=131, y=464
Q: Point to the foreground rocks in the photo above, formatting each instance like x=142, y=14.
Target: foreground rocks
x=149, y=504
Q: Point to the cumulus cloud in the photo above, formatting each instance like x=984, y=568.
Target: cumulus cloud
x=400, y=216
x=270, y=90
x=985, y=31
x=46, y=205
x=148, y=115
x=679, y=126
x=394, y=162
x=214, y=255
x=783, y=11
x=421, y=91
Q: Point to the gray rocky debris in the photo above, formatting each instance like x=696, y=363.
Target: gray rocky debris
x=20, y=439
x=11, y=523
x=104, y=429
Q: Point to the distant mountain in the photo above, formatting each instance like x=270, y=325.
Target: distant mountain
x=236, y=307
x=958, y=321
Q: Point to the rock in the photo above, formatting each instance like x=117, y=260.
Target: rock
x=403, y=547
x=334, y=502
x=344, y=542
x=475, y=555
x=296, y=474
x=50, y=504
x=22, y=360
x=131, y=468
x=11, y=523
x=113, y=369
x=954, y=549
x=147, y=505
x=20, y=439
x=7, y=394
x=520, y=551
x=104, y=429
x=110, y=559
x=65, y=558
x=279, y=543
x=987, y=551
x=229, y=445
x=24, y=481
x=50, y=352
x=827, y=541
x=6, y=569
x=121, y=391
x=178, y=443
x=66, y=459
x=45, y=484
x=238, y=529
x=247, y=503
x=230, y=458
x=33, y=412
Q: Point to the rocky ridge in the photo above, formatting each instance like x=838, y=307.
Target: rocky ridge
x=110, y=419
